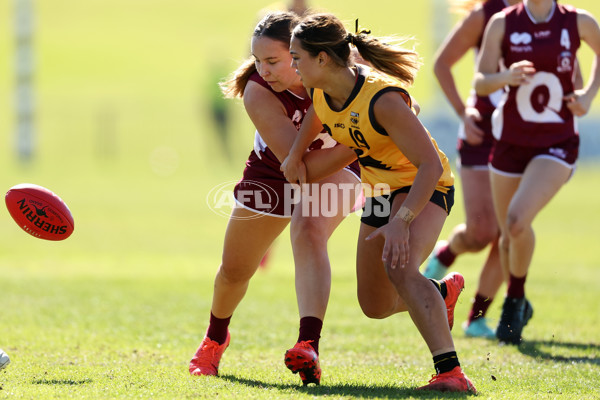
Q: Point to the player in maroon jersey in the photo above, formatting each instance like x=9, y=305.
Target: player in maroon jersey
x=276, y=102
x=474, y=146
x=535, y=127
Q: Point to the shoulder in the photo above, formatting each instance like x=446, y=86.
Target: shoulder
x=587, y=25
x=584, y=16
x=473, y=23
x=391, y=102
x=514, y=10
x=255, y=77
x=497, y=23
x=476, y=15
x=258, y=97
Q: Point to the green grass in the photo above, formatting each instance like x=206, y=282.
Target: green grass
x=117, y=310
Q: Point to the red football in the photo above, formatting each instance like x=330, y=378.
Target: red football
x=39, y=212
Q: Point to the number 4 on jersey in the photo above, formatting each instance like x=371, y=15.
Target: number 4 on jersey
x=565, y=41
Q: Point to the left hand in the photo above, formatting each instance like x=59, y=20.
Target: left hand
x=294, y=170
x=578, y=103
x=396, y=249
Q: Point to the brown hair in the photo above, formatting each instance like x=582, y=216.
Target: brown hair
x=325, y=32
x=277, y=26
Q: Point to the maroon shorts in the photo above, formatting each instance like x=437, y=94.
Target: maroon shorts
x=512, y=159
x=479, y=155
x=264, y=189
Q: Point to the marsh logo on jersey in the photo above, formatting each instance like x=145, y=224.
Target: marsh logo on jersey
x=520, y=38
x=564, y=62
x=520, y=42
x=354, y=118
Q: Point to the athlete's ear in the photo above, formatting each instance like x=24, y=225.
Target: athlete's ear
x=322, y=57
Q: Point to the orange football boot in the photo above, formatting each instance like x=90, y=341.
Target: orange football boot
x=455, y=283
x=451, y=381
x=207, y=357
x=303, y=359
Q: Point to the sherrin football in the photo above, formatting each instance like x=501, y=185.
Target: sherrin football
x=39, y=212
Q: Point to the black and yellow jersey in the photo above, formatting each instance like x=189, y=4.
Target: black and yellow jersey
x=381, y=161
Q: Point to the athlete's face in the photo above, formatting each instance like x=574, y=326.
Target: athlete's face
x=272, y=60
x=304, y=64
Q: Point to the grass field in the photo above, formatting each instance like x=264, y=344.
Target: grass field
x=117, y=310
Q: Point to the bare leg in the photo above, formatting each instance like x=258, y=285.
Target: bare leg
x=491, y=276
x=423, y=301
x=309, y=235
x=480, y=227
x=246, y=241
x=540, y=182
x=517, y=202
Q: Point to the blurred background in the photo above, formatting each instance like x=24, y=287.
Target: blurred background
x=126, y=120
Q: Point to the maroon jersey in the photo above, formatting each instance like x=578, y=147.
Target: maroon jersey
x=263, y=187
x=296, y=108
x=535, y=114
x=485, y=104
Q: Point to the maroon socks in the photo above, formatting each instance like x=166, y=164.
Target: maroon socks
x=310, y=329
x=480, y=307
x=217, y=328
x=446, y=256
x=516, y=286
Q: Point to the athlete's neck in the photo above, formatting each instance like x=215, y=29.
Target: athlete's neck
x=298, y=90
x=539, y=9
x=340, y=86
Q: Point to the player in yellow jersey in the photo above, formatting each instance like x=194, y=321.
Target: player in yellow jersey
x=407, y=180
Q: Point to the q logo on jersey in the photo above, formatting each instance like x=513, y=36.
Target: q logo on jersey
x=517, y=38
x=564, y=62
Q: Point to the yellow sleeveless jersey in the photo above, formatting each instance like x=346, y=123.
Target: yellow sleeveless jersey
x=381, y=161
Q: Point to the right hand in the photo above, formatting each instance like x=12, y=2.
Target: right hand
x=396, y=249
x=520, y=73
x=473, y=134
x=294, y=170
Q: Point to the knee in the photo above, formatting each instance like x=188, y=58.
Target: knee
x=515, y=224
x=376, y=304
x=374, y=311
x=232, y=273
x=307, y=231
x=482, y=234
x=504, y=243
x=480, y=239
x=401, y=277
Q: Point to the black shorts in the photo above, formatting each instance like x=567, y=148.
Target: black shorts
x=376, y=212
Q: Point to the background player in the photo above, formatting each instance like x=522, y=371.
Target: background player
x=475, y=142
x=535, y=127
